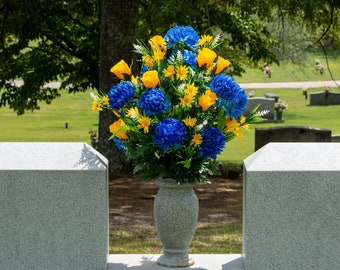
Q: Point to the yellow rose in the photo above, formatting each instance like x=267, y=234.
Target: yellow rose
x=158, y=43
x=206, y=57
x=120, y=69
x=207, y=100
x=115, y=126
x=221, y=64
x=150, y=79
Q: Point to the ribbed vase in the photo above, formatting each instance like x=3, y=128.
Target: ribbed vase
x=176, y=214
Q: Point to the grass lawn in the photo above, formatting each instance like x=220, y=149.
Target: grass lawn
x=48, y=123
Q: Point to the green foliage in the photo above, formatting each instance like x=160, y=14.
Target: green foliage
x=43, y=41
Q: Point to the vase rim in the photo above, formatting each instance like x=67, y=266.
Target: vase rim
x=171, y=182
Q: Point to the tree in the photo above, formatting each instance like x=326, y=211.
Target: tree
x=43, y=41
x=118, y=26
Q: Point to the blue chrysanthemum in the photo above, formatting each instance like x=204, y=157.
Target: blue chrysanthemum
x=230, y=95
x=153, y=101
x=120, y=94
x=119, y=143
x=181, y=34
x=213, y=143
x=169, y=133
x=189, y=58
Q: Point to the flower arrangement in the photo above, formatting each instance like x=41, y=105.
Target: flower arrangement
x=177, y=115
x=281, y=105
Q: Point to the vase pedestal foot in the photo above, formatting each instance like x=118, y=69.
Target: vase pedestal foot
x=175, y=259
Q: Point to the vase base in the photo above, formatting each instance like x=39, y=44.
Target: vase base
x=175, y=260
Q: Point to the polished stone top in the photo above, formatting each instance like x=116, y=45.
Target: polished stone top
x=50, y=156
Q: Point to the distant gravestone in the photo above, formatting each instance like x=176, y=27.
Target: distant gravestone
x=290, y=134
x=272, y=95
x=266, y=104
x=53, y=207
x=336, y=138
x=324, y=98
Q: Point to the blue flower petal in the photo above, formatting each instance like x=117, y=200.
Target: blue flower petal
x=120, y=94
x=181, y=34
x=230, y=95
x=169, y=133
x=213, y=143
x=153, y=101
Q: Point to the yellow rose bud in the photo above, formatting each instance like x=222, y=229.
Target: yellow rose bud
x=120, y=69
x=206, y=57
x=150, y=79
x=221, y=64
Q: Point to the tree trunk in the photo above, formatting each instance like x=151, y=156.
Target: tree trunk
x=117, y=29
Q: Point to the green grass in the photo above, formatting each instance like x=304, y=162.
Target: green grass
x=217, y=238
x=293, y=72
x=48, y=123
x=298, y=114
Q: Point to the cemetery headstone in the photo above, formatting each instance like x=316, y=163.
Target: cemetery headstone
x=53, y=207
x=272, y=95
x=291, y=217
x=324, y=98
x=266, y=104
x=336, y=138
x=290, y=134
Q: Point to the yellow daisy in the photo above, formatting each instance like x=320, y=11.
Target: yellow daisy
x=133, y=113
x=181, y=72
x=204, y=40
x=144, y=123
x=197, y=139
x=187, y=100
x=96, y=106
x=189, y=122
x=169, y=72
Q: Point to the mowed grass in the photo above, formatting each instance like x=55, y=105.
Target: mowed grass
x=49, y=123
x=305, y=71
x=298, y=114
x=210, y=238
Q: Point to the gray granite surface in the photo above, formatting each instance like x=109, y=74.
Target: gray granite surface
x=292, y=207
x=53, y=207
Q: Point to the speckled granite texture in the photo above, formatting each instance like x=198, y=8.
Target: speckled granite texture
x=291, y=211
x=53, y=207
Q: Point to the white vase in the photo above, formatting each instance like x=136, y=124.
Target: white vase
x=176, y=215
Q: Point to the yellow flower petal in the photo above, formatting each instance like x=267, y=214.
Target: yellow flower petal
x=189, y=122
x=187, y=100
x=115, y=126
x=197, y=139
x=121, y=69
x=157, y=43
x=133, y=113
x=169, y=72
x=204, y=40
x=96, y=106
x=181, y=72
x=206, y=57
x=221, y=64
x=150, y=79
x=144, y=123
x=207, y=99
